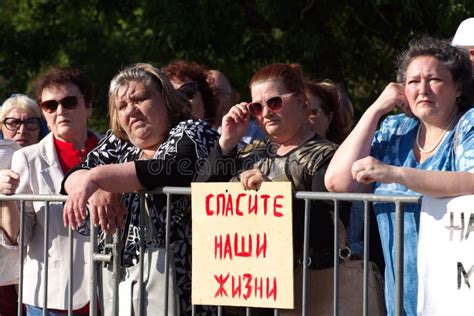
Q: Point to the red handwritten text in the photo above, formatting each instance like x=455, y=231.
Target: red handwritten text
x=246, y=286
x=226, y=247
x=242, y=204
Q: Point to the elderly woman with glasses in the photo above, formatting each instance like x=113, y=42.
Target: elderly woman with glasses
x=291, y=152
x=21, y=126
x=65, y=97
x=154, y=142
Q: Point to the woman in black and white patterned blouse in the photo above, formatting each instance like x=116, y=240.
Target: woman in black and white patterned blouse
x=156, y=143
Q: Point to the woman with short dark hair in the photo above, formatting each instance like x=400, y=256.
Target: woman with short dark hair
x=64, y=95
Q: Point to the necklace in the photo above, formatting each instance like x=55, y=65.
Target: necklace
x=440, y=138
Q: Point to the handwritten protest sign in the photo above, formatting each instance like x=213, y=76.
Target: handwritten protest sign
x=446, y=256
x=242, y=245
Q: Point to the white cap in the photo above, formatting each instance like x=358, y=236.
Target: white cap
x=465, y=34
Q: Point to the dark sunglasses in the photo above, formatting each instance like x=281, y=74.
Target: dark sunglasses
x=315, y=111
x=274, y=103
x=189, y=89
x=69, y=103
x=13, y=124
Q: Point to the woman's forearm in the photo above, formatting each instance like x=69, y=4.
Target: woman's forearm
x=356, y=146
x=437, y=184
x=10, y=220
x=116, y=178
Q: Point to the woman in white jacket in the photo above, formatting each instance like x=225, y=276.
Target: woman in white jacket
x=65, y=98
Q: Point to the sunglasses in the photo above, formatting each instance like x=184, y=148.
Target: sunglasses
x=315, y=111
x=274, y=103
x=13, y=124
x=189, y=89
x=69, y=103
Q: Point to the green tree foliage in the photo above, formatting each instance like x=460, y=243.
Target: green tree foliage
x=354, y=42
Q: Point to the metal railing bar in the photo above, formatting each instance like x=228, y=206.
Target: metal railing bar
x=34, y=197
x=399, y=259
x=93, y=271
x=305, y=264
x=22, y=257
x=46, y=259
x=167, y=249
x=71, y=277
x=336, y=259
x=141, y=242
x=116, y=271
x=365, y=295
x=357, y=197
x=307, y=196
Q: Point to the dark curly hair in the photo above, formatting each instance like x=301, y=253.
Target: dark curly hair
x=334, y=101
x=181, y=69
x=456, y=60
x=61, y=76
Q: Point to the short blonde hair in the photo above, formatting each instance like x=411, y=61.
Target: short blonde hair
x=20, y=102
x=177, y=105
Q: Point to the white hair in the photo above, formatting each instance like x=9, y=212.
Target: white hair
x=20, y=102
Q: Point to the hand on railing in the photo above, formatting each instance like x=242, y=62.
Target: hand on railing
x=107, y=210
x=9, y=181
x=75, y=208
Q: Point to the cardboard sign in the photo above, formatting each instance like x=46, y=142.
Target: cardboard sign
x=242, y=245
x=446, y=256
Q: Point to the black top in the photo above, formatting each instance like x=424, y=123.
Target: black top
x=304, y=167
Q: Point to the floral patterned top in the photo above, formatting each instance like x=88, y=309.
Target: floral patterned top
x=175, y=163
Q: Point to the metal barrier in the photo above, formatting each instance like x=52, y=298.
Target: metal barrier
x=113, y=250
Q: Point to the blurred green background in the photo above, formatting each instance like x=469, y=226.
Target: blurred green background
x=354, y=42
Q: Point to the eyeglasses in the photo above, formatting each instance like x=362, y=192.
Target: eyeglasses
x=69, y=103
x=13, y=124
x=189, y=89
x=274, y=103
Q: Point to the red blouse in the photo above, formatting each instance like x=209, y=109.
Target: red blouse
x=70, y=157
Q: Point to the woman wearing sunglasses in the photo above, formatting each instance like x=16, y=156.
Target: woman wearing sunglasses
x=292, y=152
x=65, y=98
x=21, y=126
x=191, y=80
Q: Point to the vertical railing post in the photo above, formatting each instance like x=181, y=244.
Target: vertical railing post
x=71, y=278
x=167, y=252
x=93, y=270
x=399, y=259
x=45, y=256
x=141, y=242
x=336, y=259
x=365, y=297
x=22, y=258
x=116, y=271
x=307, y=217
